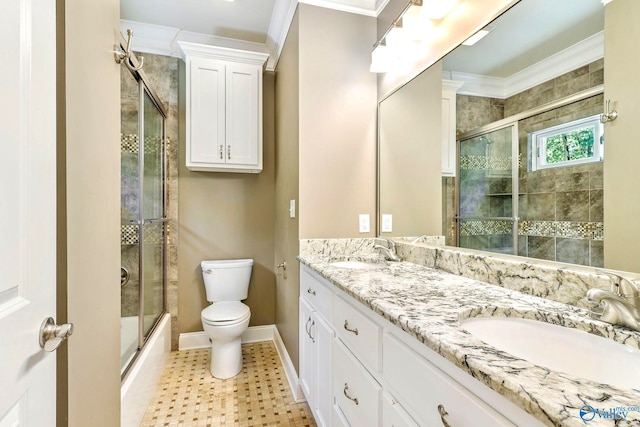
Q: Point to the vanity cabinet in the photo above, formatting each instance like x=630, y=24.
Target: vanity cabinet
x=360, y=369
x=223, y=103
x=316, y=337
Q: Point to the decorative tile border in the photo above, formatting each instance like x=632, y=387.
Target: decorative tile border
x=562, y=229
x=152, y=144
x=153, y=234
x=485, y=163
x=485, y=227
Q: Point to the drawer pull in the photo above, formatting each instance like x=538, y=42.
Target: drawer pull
x=221, y=152
x=311, y=291
x=346, y=326
x=353, y=399
x=443, y=413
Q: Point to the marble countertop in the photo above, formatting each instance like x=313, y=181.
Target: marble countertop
x=429, y=304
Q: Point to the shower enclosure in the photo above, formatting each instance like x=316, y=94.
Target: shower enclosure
x=143, y=219
x=531, y=184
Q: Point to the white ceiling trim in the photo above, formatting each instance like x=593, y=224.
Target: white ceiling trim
x=578, y=55
x=360, y=7
x=283, y=12
x=161, y=40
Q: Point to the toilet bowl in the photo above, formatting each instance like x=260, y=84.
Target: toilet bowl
x=226, y=319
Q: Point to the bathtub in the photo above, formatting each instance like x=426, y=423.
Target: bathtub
x=140, y=382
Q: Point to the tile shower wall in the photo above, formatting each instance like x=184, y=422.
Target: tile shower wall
x=561, y=208
x=162, y=73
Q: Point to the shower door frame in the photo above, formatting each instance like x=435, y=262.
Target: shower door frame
x=145, y=89
x=515, y=170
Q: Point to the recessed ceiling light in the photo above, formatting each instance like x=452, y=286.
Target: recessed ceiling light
x=478, y=36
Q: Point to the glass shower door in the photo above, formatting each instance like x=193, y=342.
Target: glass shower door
x=129, y=214
x=487, y=191
x=153, y=219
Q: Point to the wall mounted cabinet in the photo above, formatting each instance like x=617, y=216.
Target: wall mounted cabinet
x=449, y=89
x=223, y=108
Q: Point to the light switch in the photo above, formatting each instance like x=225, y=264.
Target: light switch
x=292, y=208
x=387, y=223
x=364, y=223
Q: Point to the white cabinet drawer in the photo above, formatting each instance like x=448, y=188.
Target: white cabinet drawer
x=357, y=394
x=359, y=333
x=315, y=292
x=393, y=415
x=422, y=387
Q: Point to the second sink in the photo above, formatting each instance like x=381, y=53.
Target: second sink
x=561, y=349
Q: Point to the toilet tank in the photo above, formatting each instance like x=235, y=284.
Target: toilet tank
x=226, y=280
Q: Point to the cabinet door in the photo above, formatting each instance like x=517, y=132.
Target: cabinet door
x=243, y=121
x=324, y=401
x=307, y=354
x=206, y=112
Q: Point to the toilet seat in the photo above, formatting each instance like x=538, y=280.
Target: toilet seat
x=225, y=313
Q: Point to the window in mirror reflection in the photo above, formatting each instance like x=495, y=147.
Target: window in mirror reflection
x=573, y=143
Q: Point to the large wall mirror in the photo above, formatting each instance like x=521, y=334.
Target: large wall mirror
x=529, y=158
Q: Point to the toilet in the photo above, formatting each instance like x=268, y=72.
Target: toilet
x=226, y=283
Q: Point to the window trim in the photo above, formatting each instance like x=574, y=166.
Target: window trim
x=537, y=143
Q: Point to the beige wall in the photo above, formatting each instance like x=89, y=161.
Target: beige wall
x=92, y=126
x=287, y=169
x=325, y=121
x=410, y=162
x=227, y=215
x=337, y=123
x=622, y=152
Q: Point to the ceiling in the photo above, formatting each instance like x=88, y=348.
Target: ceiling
x=242, y=19
x=254, y=25
x=526, y=34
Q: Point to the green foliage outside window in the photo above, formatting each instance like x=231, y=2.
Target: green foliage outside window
x=573, y=145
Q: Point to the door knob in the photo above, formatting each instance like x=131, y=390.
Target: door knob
x=52, y=335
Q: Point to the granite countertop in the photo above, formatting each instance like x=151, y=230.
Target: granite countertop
x=429, y=304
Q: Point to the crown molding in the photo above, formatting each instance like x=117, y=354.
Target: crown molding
x=283, y=12
x=360, y=7
x=222, y=53
x=578, y=55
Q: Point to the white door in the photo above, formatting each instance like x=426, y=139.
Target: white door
x=27, y=210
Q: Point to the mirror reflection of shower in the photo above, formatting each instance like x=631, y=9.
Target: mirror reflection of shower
x=143, y=218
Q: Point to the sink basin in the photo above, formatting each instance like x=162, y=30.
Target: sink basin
x=567, y=350
x=357, y=265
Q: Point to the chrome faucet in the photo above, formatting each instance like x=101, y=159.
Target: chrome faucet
x=389, y=252
x=419, y=239
x=621, y=305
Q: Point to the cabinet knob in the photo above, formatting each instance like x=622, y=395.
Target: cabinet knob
x=311, y=291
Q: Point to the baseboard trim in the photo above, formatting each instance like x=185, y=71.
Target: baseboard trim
x=289, y=369
x=193, y=340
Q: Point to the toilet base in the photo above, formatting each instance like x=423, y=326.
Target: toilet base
x=226, y=358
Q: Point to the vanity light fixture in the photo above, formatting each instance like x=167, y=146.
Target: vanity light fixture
x=437, y=9
x=408, y=30
x=478, y=36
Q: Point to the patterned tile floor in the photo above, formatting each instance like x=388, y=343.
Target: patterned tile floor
x=188, y=395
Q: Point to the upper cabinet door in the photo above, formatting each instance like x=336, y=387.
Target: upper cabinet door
x=244, y=112
x=206, y=112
